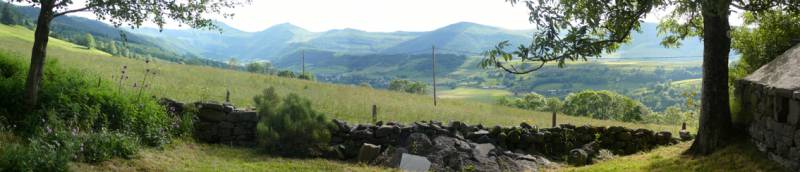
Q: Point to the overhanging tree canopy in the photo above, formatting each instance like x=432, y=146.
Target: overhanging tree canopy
x=569, y=30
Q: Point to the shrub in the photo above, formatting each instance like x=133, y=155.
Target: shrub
x=102, y=146
x=49, y=153
x=307, y=76
x=286, y=74
x=74, y=110
x=77, y=101
x=604, y=105
x=407, y=86
x=294, y=129
x=531, y=101
x=267, y=103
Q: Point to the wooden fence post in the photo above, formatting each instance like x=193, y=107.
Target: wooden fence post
x=374, y=113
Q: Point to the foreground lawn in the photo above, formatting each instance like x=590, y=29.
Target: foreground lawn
x=190, y=156
x=737, y=157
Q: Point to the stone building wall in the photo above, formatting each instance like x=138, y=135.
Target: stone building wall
x=223, y=124
x=775, y=120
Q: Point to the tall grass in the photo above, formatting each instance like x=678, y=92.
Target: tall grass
x=352, y=103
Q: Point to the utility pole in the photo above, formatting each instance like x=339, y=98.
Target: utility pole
x=303, y=61
x=433, y=67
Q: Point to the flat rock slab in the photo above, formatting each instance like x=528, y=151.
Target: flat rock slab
x=409, y=162
x=483, y=149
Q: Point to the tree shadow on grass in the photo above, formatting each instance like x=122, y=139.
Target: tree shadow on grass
x=740, y=156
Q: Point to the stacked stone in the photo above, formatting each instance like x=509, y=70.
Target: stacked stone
x=457, y=145
x=626, y=141
x=221, y=123
x=173, y=107
x=774, y=126
x=445, y=146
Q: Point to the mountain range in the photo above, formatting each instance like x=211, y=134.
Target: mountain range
x=285, y=39
x=463, y=38
x=280, y=41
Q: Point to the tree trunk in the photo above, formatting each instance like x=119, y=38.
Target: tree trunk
x=715, y=115
x=38, y=55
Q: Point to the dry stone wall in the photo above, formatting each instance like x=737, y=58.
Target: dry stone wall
x=774, y=126
x=457, y=146
x=223, y=124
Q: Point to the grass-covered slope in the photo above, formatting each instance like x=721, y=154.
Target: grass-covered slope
x=192, y=83
x=737, y=157
x=190, y=156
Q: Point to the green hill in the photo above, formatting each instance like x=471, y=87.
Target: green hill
x=73, y=29
x=191, y=83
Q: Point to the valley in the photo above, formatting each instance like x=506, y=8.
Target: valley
x=398, y=86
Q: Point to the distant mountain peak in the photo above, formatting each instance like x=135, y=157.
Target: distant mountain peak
x=346, y=30
x=465, y=24
x=468, y=27
x=285, y=27
x=225, y=27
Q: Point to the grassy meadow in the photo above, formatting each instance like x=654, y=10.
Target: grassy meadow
x=191, y=156
x=687, y=84
x=489, y=96
x=352, y=103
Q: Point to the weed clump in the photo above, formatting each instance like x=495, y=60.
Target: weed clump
x=78, y=118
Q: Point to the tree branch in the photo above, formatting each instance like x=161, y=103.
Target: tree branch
x=755, y=7
x=74, y=10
